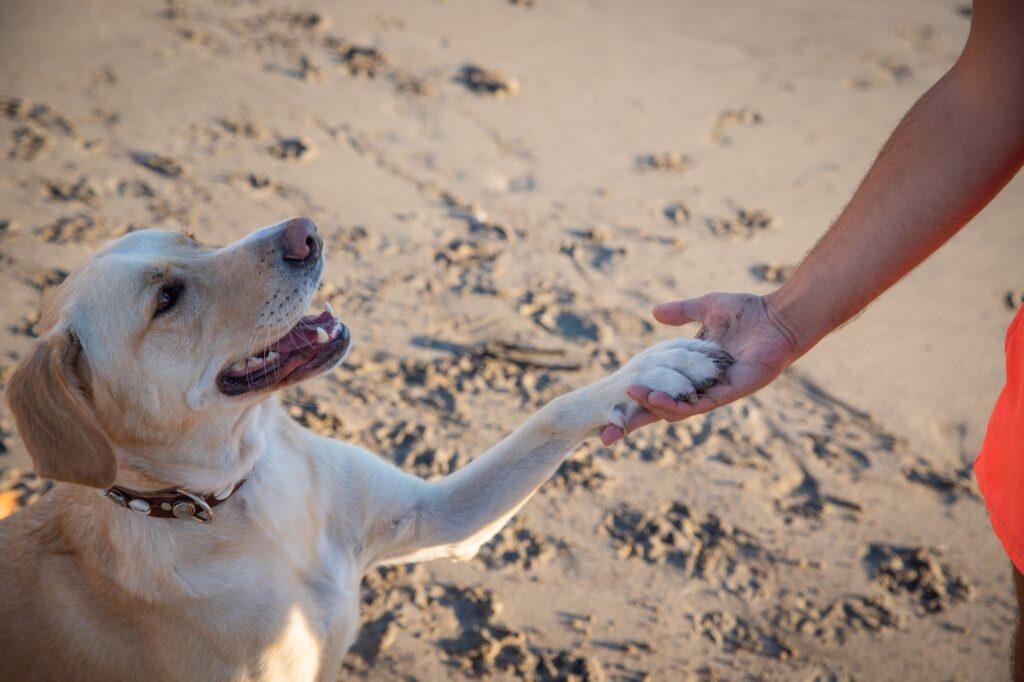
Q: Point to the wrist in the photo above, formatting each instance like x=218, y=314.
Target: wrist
x=786, y=310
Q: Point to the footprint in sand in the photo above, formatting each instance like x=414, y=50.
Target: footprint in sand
x=677, y=212
x=733, y=633
x=840, y=454
x=468, y=264
x=385, y=594
x=28, y=325
x=918, y=573
x=75, y=228
x=518, y=548
x=277, y=27
x=590, y=247
x=487, y=82
x=772, y=272
x=730, y=118
x=159, y=163
x=477, y=220
x=413, y=86
x=549, y=308
x=664, y=161
x=309, y=411
x=46, y=280
x=743, y=224
x=40, y=127
x=706, y=548
x=953, y=484
x=581, y=471
x=243, y=127
x=359, y=60
x=482, y=646
x=806, y=500
x=306, y=70
x=887, y=71
x=835, y=621
x=292, y=149
x=261, y=183
x=81, y=191
x=28, y=143
x=42, y=115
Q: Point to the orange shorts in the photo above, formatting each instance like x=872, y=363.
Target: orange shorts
x=1000, y=464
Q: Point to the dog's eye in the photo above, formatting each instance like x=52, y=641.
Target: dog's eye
x=167, y=297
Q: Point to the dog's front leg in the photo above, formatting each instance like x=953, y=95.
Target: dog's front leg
x=452, y=517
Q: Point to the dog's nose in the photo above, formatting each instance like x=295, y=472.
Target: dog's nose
x=300, y=242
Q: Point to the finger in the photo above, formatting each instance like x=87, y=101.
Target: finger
x=611, y=433
x=641, y=394
x=664, y=405
x=638, y=392
x=681, y=312
x=716, y=396
x=641, y=419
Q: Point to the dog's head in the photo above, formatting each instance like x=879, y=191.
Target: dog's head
x=157, y=337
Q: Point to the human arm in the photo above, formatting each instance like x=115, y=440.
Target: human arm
x=951, y=154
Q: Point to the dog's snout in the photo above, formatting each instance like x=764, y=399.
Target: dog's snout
x=300, y=242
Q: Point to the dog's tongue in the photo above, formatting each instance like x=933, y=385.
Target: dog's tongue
x=302, y=342
x=306, y=335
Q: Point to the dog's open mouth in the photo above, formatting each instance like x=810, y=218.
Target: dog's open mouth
x=316, y=342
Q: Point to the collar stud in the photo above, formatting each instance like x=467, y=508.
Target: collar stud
x=183, y=509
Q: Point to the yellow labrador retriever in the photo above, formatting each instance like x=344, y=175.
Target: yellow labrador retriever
x=150, y=396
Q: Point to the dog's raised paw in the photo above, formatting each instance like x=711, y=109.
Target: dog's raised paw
x=682, y=368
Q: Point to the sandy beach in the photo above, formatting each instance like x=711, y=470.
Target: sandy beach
x=505, y=189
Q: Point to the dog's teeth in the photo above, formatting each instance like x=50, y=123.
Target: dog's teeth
x=322, y=336
x=238, y=366
x=254, y=361
x=271, y=356
x=329, y=308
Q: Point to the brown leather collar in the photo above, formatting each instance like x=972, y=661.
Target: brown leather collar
x=171, y=503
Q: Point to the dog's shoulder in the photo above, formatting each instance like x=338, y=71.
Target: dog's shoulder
x=361, y=496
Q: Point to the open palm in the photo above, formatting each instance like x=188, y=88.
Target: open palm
x=746, y=328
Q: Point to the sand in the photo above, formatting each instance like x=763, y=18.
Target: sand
x=505, y=189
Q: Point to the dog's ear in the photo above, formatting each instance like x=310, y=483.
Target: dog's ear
x=58, y=427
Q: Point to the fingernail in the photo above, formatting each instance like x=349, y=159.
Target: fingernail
x=659, y=399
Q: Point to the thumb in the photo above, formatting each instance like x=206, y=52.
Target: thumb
x=680, y=312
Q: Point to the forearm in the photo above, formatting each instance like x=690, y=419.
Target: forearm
x=453, y=516
x=495, y=484
x=956, y=148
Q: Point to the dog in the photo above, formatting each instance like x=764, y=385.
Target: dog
x=196, y=531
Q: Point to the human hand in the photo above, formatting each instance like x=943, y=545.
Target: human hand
x=746, y=327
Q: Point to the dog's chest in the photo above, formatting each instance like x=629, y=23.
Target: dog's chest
x=300, y=615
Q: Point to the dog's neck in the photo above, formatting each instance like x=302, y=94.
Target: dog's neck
x=207, y=460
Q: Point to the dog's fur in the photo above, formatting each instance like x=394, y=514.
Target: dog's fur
x=269, y=589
